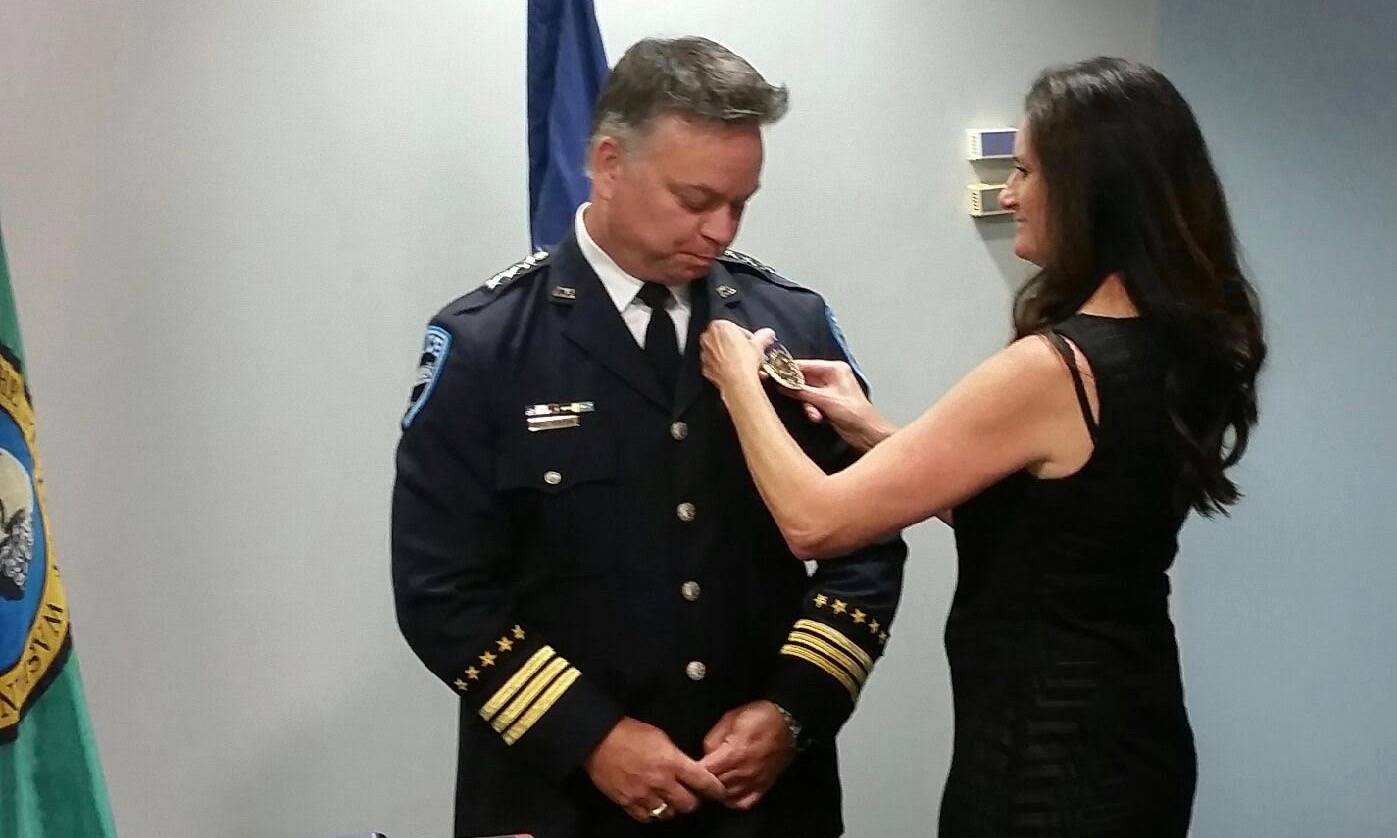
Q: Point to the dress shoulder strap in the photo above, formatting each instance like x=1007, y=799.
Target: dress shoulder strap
x=1065, y=350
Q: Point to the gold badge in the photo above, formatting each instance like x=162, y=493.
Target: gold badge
x=781, y=366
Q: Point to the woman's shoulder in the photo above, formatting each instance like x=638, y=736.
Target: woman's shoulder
x=1036, y=362
x=1020, y=382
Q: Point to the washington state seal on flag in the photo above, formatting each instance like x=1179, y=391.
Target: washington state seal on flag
x=51, y=782
x=33, y=609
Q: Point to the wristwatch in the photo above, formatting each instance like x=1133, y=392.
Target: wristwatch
x=794, y=726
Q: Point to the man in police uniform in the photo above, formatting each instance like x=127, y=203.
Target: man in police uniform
x=578, y=550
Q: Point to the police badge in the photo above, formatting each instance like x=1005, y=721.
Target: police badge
x=782, y=368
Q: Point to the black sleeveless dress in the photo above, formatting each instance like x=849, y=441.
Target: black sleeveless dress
x=1069, y=709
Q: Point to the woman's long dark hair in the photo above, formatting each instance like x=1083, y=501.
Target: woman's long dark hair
x=1131, y=190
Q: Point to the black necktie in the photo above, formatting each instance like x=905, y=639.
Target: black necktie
x=661, y=345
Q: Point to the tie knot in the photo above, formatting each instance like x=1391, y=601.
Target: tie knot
x=654, y=295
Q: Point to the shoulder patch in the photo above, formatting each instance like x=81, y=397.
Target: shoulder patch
x=766, y=271
x=516, y=270
x=435, y=347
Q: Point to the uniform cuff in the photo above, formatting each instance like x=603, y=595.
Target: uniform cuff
x=825, y=662
x=538, y=703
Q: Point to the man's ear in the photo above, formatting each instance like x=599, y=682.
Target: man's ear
x=608, y=159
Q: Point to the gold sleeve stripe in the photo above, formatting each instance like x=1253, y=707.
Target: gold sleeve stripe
x=823, y=663
x=839, y=639
x=517, y=680
x=543, y=705
x=810, y=641
x=526, y=696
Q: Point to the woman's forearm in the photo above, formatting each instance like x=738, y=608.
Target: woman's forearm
x=873, y=432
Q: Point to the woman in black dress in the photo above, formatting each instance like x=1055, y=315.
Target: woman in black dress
x=1067, y=463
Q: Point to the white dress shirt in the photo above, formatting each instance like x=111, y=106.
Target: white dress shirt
x=623, y=288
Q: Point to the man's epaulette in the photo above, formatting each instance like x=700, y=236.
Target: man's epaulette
x=518, y=269
x=502, y=280
x=765, y=271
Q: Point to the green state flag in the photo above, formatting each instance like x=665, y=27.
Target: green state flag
x=50, y=780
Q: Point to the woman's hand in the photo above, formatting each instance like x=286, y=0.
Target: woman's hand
x=732, y=355
x=832, y=393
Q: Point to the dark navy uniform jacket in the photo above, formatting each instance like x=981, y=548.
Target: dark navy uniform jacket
x=612, y=557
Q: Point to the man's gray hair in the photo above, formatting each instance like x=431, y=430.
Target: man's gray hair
x=691, y=77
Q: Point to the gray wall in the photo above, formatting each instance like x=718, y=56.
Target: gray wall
x=1287, y=613
x=227, y=224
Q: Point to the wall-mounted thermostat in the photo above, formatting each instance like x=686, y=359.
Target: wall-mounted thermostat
x=984, y=199
x=991, y=143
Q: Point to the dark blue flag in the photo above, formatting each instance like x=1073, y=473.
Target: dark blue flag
x=567, y=65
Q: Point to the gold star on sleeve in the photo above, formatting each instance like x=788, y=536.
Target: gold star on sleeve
x=839, y=606
x=820, y=600
x=518, y=632
x=859, y=616
x=872, y=626
x=487, y=659
x=473, y=673
x=461, y=685
x=505, y=644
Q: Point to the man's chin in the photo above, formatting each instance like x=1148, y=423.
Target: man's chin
x=690, y=268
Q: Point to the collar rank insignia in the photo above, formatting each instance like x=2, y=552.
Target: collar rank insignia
x=508, y=275
x=738, y=256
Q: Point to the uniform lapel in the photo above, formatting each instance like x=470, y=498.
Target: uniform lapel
x=595, y=325
x=717, y=296
x=691, y=380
